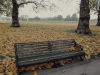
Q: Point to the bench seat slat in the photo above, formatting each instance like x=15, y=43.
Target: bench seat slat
x=40, y=53
x=50, y=58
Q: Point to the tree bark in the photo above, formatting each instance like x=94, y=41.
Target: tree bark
x=83, y=25
x=98, y=20
x=15, y=20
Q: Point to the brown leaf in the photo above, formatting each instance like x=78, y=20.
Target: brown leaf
x=63, y=71
x=96, y=57
x=35, y=73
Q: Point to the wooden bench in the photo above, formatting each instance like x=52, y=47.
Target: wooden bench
x=39, y=52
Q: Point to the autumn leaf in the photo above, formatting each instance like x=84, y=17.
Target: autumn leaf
x=34, y=32
x=63, y=71
x=35, y=73
x=96, y=57
x=10, y=73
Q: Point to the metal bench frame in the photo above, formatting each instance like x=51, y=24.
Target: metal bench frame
x=40, y=52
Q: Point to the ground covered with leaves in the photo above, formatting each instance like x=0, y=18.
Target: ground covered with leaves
x=34, y=32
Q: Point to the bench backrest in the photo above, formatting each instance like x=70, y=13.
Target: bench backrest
x=28, y=49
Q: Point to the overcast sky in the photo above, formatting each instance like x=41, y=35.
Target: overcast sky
x=64, y=10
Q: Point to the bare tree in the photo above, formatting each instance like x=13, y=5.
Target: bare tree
x=44, y=4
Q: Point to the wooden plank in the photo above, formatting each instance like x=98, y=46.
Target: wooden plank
x=50, y=57
x=43, y=53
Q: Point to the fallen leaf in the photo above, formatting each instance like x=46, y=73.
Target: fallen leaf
x=10, y=73
x=63, y=71
x=96, y=57
x=35, y=73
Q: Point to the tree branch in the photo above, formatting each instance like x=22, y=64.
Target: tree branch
x=28, y=2
x=44, y=4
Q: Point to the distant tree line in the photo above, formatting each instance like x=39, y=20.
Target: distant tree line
x=57, y=18
x=71, y=18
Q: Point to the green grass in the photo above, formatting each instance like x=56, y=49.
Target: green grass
x=52, y=22
x=68, y=22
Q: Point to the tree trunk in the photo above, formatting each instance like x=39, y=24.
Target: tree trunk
x=98, y=20
x=15, y=20
x=83, y=26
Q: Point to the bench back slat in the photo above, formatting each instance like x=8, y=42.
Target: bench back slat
x=40, y=53
x=28, y=49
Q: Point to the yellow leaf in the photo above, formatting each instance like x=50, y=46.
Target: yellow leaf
x=1, y=68
x=10, y=73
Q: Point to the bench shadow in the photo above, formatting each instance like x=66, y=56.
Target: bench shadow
x=73, y=63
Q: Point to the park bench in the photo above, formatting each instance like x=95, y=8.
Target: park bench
x=41, y=52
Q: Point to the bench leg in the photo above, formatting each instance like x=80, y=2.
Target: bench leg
x=18, y=71
x=81, y=58
x=56, y=65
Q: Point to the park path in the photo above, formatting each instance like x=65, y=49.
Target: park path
x=76, y=67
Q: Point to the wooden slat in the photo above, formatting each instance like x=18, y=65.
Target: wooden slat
x=43, y=53
x=51, y=56
x=36, y=47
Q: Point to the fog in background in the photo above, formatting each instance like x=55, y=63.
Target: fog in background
x=65, y=8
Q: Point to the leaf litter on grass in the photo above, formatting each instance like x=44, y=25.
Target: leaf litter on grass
x=31, y=32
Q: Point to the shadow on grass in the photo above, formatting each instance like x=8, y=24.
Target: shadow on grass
x=8, y=55
x=70, y=31
x=93, y=56
x=2, y=57
x=94, y=32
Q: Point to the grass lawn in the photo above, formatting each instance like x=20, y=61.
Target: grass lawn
x=42, y=31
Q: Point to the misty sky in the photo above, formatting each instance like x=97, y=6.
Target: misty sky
x=64, y=10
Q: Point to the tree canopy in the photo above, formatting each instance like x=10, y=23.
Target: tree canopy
x=93, y=5
x=5, y=7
